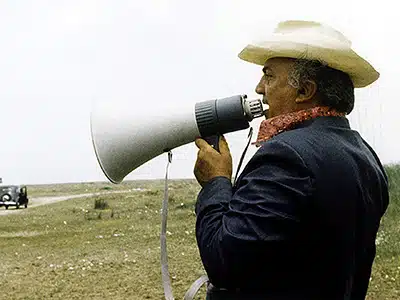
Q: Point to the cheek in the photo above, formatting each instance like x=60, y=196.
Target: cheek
x=279, y=97
x=272, y=93
x=280, y=91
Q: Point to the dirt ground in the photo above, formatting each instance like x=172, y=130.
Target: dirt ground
x=37, y=201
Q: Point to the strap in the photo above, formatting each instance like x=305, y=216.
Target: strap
x=243, y=154
x=163, y=238
x=194, y=288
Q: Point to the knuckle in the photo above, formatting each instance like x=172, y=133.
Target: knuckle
x=200, y=155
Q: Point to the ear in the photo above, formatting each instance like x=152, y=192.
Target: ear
x=307, y=92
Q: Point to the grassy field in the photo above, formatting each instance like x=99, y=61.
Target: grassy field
x=69, y=250
x=385, y=281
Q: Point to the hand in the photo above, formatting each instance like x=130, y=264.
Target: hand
x=211, y=163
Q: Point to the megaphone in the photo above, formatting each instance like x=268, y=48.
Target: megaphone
x=124, y=138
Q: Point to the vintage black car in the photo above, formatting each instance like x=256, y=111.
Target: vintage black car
x=13, y=195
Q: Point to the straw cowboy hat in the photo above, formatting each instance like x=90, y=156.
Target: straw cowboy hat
x=314, y=41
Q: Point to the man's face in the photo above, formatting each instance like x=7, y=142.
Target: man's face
x=274, y=87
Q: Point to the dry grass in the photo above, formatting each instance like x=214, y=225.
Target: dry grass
x=385, y=281
x=59, y=251
x=69, y=250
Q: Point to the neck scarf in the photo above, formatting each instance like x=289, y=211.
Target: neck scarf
x=271, y=127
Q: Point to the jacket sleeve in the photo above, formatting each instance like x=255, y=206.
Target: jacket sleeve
x=240, y=230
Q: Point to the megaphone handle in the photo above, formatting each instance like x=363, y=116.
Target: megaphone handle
x=213, y=140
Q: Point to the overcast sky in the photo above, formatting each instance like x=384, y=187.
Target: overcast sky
x=58, y=57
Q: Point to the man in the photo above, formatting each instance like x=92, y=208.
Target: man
x=301, y=220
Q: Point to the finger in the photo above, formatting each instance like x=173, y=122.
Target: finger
x=196, y=173
x=202, y=144
x=200, y=155
x=223, y=146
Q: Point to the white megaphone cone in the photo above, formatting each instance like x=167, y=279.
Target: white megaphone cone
x=125, y=138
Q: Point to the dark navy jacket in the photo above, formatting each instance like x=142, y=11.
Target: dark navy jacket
x=301, y=221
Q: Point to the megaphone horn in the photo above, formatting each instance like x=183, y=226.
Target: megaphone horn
x=125, y=138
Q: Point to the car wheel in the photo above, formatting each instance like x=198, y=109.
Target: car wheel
x=6, y=197
x=6, y=206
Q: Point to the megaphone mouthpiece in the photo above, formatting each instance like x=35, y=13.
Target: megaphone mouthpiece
x=253, y=109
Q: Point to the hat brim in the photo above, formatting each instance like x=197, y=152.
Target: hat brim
x=345, y=60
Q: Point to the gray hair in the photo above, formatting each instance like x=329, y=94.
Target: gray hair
x=334, y=88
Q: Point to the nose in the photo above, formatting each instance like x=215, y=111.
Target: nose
x=260, y=87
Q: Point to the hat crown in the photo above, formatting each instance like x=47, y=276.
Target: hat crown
x=311, y=32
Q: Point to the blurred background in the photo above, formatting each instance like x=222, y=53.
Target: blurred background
x=59, y=57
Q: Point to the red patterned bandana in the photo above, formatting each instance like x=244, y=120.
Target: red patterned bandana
x=278, y=124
